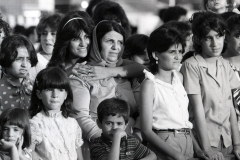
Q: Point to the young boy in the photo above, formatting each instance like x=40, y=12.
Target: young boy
x=114, y=143
x=17, y=56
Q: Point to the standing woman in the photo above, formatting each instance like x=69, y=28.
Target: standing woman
x=46, y=30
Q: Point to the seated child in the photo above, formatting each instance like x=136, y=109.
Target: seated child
x=17, y=56
x=114, y=143
x=15, y=134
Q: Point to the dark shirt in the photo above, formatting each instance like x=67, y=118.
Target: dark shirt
x=130, y=148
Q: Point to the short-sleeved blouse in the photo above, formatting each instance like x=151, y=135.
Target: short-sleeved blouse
x=170, y=106
x=13, y=94
x=215, y=92
x=55, y=137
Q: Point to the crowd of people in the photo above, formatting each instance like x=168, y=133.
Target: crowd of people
x=92, y=90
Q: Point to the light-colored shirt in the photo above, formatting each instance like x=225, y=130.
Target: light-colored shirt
x=215, y=92
x=55, y=137
x=170, y=106
x=42, y=63
x=88, y=95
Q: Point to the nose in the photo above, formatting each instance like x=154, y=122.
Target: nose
x=82, y=42
x=48, y=36
x=116, y=46
x=54, y=93
x=10, y=132
x=24, y=62
x=114, y=126
x=214, y=42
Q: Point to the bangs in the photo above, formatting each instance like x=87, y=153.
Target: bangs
x=54, y=80
x=75, y=28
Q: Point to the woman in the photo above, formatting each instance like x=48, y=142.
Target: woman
x=106, y=51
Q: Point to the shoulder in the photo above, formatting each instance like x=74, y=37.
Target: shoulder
x=147, y=84
x=37, y=119
x=192, y=60
x=78, y=82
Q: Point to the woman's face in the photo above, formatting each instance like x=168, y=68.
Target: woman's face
x=212, y=44
x=112, y=44
x=2, y=35
x=170, y=59
x=48, y=38
x=217, y=5
x=79, y=46
x=233, y=42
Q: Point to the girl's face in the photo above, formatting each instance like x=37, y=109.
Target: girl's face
x=22, y=64
x=142, y=59
x=217, y=5
x=48, y=38
x=2, y=35
x=233, y=42
x=112, y=44
x=12, y=133
x=52, y=98
x=212, y=44
x=79, y=47
x=170, y=59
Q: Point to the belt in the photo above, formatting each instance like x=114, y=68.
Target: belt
x=179, y=131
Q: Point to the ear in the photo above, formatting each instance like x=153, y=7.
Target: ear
x=38, y=93
x=155, y=56
x=99, y=124
x=125, y=126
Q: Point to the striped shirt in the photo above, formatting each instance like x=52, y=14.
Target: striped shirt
x=130, y=149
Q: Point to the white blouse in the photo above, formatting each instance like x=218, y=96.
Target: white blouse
x=170, y=106
x=55, y=137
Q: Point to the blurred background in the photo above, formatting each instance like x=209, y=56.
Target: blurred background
x=142, y=14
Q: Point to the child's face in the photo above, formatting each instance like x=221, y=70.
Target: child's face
x=48, y=38
x=52, y=98
x=110, y=123
x=79, y=47
x=212, y=44
x=12, y=133
x=22, y=64
x=216, y=5
x=170, y=59
x=142, y=59
x=2, y=35
x=233, y=42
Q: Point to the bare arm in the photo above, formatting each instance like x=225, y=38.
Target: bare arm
x=146, y=105
x=79, y=153
x=201, y=127
x=150, y=156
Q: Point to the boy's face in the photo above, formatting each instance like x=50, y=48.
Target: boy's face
x=233, y=42
x=111, y=123
x=48, y=38
x=12, y=133
x=212, y=44
x=142, y=58
x=21, y=66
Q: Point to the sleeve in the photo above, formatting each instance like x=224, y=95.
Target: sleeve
x=98, y=151
x=79, y=141
x=233, y=80
x=81, y=102
x=191, y=79
x=141, y=151
x=36, y=133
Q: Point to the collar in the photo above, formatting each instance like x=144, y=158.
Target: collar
x=202, y=62
x=53, y=115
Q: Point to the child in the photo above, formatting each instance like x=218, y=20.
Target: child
x=208, y=80
x=55, y=136
x=114, y=143
x=163, y=100
x=15, y=134
x=220, y=6
x=17, y=56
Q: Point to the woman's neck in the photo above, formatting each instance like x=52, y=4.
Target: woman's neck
x=165, y=76
x=71, y=62
x=45, y=55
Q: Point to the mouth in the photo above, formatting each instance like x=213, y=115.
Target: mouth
x=23, y=71
x=48, y=44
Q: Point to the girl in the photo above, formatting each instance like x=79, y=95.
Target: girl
x=54, y=134
x=15, y=134
x=163, y=100
x=208, y=80
x=46, y=30
x=232, y=54
x=17, y=56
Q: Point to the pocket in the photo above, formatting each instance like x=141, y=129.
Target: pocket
x=164, y=136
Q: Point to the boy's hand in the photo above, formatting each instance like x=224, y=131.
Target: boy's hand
x=119, y=133
x=236, y=151
x=6, y=145
x=214, y=155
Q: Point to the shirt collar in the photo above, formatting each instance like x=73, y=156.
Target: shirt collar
x=202, y=62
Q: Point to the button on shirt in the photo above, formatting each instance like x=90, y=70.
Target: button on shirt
x=13, y=94
x=215, y=92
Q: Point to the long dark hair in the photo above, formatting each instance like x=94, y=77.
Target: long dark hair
x=51, y=77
